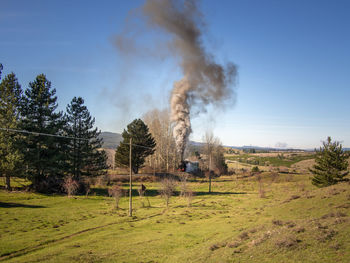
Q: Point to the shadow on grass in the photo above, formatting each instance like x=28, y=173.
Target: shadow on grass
x=99, y=191
x=220, y=193
x=155, y=192
x=12, y=205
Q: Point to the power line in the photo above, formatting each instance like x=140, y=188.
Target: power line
x=137, y=145
x=62, y=136
x=41, y=133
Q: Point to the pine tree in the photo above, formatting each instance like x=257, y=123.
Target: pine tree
x=143, y=145
x=84, y=154
x=43, y=155
x=1, y=68
x=331, y=164
x=10, y=157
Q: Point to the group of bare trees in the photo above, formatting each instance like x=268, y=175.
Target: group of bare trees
x=165, y=157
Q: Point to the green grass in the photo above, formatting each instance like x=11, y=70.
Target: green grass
x=295, y=222
x=271, y=161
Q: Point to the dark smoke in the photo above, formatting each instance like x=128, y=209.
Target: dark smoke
x=204, y=81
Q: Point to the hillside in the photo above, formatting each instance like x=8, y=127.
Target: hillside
x=278, y=218
x=111, y=140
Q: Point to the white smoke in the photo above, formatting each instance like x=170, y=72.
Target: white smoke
x=180, y=113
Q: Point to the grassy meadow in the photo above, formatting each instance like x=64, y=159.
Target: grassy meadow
x=267, y=217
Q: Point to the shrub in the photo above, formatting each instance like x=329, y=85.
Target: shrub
x=183, y=184
x=189, y=196
x=142, y=193
x=117, y=192
x=255, y=169
x=70, y=185
x=167, y=189
x=261, y=187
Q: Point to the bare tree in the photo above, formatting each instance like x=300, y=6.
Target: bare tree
x=142, y=193
x=189, y=196
x=209, y=141
x=167, y=188
x=183, y=185
x=117, y=192
x=215, y=161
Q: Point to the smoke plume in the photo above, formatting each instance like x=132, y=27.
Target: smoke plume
x=204, y=82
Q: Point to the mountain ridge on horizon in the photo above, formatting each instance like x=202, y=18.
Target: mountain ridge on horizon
x=111, y=140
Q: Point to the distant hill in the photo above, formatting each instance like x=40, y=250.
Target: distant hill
x=111, y=140
x=257, y=148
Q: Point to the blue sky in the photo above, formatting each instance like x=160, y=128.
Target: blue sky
x=293, y=60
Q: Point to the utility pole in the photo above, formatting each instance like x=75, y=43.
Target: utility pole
x=130, y=187
x=210, y=173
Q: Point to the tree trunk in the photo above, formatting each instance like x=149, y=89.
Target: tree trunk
x=8, y=183
x=209, y=182
x=130, y=187
x=210, y=173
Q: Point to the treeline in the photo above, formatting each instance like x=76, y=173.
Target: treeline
x=46, y=146
x=165, y=158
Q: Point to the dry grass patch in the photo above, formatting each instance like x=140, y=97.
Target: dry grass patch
x=299, y=229
x=265, y=236
x=244, y=235
x=234, y=244
x=217, y=246
x=277, y=222
x=287, y=242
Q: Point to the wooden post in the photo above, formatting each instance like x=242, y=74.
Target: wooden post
x=210, y=173
x=130, y=186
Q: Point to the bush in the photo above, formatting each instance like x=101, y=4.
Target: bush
x=167, y=189
x=70, y=185
x=261, y=187
x=189, y=196
x=255, y=169
x=117, y=192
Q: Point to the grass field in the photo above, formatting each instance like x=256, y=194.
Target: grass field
x=270, y=159
x=294, y=222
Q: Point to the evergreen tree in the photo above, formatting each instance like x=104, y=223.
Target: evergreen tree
x=331, y=164
x=10, y=97
x=143, y=145
x=43, y=155
x=1, y=68
x=84, y=154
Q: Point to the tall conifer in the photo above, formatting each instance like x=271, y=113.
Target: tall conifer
x=143, y=142
x=43, y=155
x=85, y=156
x=10, y=157
x=331, y=164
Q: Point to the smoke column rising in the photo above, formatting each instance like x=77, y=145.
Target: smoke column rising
x=204, y=82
